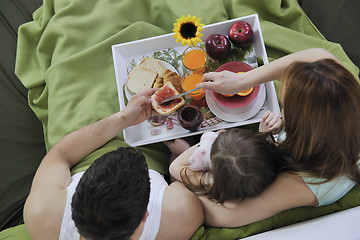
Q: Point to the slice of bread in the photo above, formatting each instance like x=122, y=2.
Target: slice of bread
x=158, y=83
x=168, y=73
x=153, y=65
x=140, y=79
x=174, y=78
x=162, y=93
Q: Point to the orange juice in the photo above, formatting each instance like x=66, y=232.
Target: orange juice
x=194, y=58
x=189, y=82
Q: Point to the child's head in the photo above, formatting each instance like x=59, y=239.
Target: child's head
x=243, y=165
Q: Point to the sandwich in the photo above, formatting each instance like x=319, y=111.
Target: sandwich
x=167, y=90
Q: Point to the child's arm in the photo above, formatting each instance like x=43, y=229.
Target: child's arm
x=182, y=161
x=270, y=122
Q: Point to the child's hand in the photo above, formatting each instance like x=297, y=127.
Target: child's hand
x=176, y=147
x=270, y=122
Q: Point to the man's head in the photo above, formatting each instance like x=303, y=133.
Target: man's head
x=111, y=198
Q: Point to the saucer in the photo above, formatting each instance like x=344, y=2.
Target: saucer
x=237, y=114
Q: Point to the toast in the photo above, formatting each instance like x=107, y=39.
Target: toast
x=153, y=65
x=162, y=93
x=168, y=73
x=174, y=78
x=158, y=83
x=140, y=79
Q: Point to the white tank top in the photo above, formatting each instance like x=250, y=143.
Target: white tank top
x=69, y=231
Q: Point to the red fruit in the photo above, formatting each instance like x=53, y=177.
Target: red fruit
x=241, y=34
x=217, y=46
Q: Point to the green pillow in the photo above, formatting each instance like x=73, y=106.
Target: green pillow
x=288, y=217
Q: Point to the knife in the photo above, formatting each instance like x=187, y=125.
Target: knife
x=177, y=96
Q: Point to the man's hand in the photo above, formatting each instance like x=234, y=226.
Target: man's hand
x=139, y=108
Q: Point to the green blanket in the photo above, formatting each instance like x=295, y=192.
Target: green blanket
x=64, y=58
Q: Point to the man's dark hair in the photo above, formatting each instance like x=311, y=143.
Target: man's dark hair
x=112, y=196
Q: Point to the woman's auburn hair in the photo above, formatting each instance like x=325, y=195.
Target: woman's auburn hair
x=321, y=106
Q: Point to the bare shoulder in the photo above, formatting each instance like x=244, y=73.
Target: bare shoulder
x=182, y=213
x=44, y=207
x=43, y=215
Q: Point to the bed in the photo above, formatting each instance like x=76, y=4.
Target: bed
x=64, y=51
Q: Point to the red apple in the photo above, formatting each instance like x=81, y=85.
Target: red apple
x=217, y=46
x=241, y=34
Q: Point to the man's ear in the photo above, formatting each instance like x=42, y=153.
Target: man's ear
x=145, y=216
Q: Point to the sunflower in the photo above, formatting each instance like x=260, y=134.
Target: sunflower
x=187, y=30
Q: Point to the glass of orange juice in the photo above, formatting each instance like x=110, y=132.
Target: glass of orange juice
x=194, y=59
x=189, y=81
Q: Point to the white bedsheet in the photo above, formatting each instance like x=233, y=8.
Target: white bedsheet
x=344, y=225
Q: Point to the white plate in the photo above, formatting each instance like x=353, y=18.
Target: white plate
x=166, y=65
x=237, y=114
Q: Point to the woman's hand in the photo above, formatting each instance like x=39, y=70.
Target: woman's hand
x=225, y=82
x=139, y=108
x=270, y=122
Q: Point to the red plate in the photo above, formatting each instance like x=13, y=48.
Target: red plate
x=235, y=101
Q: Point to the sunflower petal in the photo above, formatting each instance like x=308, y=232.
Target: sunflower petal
x=183, y=42
x=178, y=39
x=188, y=41
x=194, y=42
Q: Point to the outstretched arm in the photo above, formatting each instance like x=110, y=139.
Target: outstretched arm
x=45, y=204
x=286, y=192
x=230, y=83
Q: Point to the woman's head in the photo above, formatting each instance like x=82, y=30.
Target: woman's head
x=321, y=107
x=243, y=165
